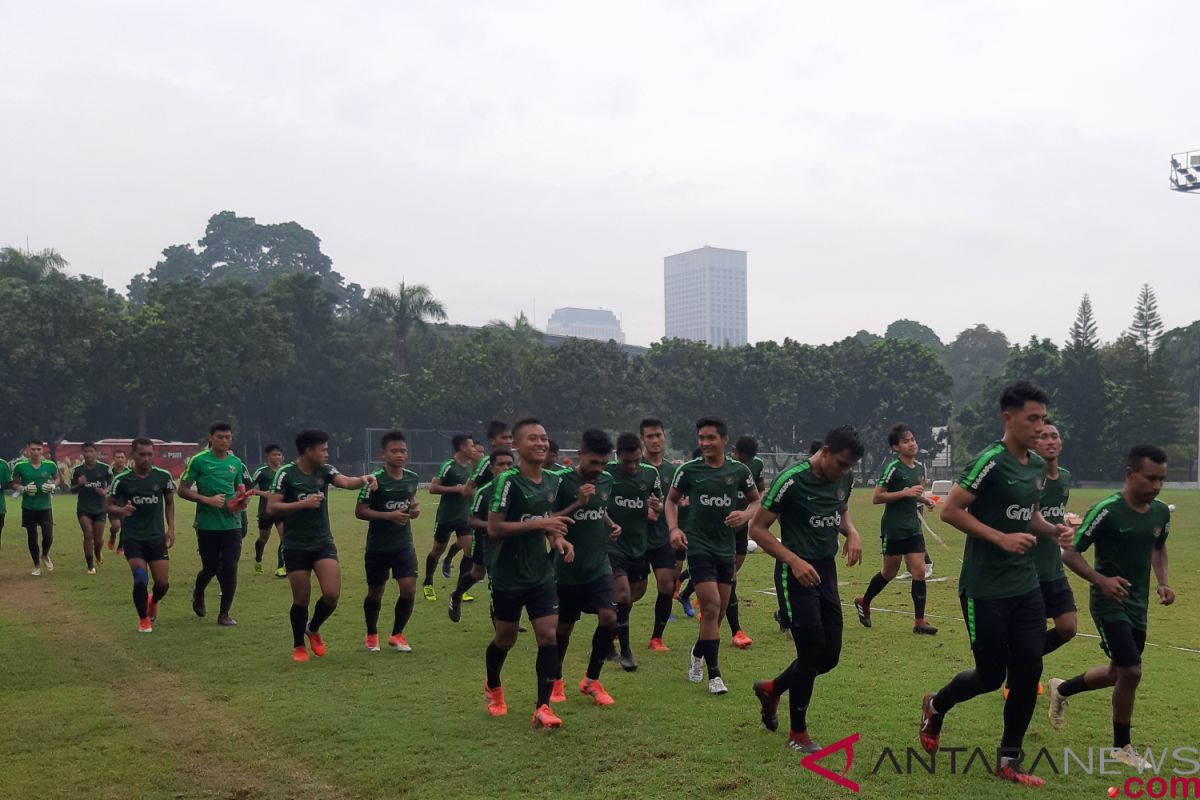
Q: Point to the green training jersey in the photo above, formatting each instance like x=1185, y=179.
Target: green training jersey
x=809, y=510
x=588, y=533
x=26, y=474
x=712, y=493
x=262, y=479
x=755, y=465
x=212, y=476
x=520, y=562
x=629, y=505
x=6, y=477
x=479, y=510
x=148, y=495
x=392, y=494
x=901, y=518
x=482, y=471
x=1006, y=493
x=1125, y=542
x=657, y=533
x=453, y=508
x=92, y=494
x=305, y=528
x=1047, y=555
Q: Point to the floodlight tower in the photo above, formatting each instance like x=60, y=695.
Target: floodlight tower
x=1185, y=177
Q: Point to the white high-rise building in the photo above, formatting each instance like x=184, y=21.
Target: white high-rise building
x=705, y=293
x=586, y=323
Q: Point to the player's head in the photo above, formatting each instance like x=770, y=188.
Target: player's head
x=312, y=446
x=120, y=458
x=594, y=450
x=902, y=440
x=502, y=459
x=551, y=454
x=478, y=451
x=498, y=434
x=1023, y=407
x=464, y=444
x=654, y=436
x=143, y=453
x=529, y=438
x=34, y=450
x=393, y=449
x=274, y=455
x=1049, y=444
x=1145, y=471
x=89, y=453
x=629, y=453
x=712, y=436
x=220, y=436
x=745, y=449
x=841, y=449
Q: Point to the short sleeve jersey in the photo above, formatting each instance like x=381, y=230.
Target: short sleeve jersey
x=1006, y=493
x=520, y=562
x=27, y=474
x=1047, y=556
x=212, y=476
x=391, y=494
x=657, y=533
x=262, y=479
x=588, y=534
x=629, y=505
x=479, y=508
x=1125, y=542
x=306, y=528
x=809, y=510
x=6, y=478
x=712, y=493
x=90, y=501
x=452, y=507
x=148, y=495
x=901, y=518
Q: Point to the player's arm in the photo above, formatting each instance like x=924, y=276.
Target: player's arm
x=586, y=490
x=852, y=549
x=500, y=528
x=277, y=506
x=614, y=530
x=437, y=486
x=363, y=510
x=187, y=492
x=760, y=532
x=169, y=509
x=346, y=482
x=955, y=514
x=77, y=481
x=116, y=508
x=736, y=519
x=1158, y=560
x=881, y=495
x=671, y=509
x=1063, y=535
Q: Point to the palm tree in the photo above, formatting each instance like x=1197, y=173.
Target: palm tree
x=31, y=267
x=408, y=309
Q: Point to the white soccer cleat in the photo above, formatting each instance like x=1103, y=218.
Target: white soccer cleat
x=928, y=571
x=48, y=564
x=717, y=686
x=91, y=570
x=1058, y=704
x=1127, y=755
x=36, y=571
x=695, y=668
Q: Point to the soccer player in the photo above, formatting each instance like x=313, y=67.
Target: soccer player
x=745, y=450
x=585, y=583
x=6, y=481
x=216, y=473
x=520, y=521
x=635, y=499
x=901, y=492
x=262, y=479
x=142, y=496
x=1129, y=531
x=389, y=508
x=90, y=480
x=481, y=550
x=300, y=496
x=38, y=478
x=995, y=503
x=711, y=484
x=660, y=555
x=120, y=463
x=499, y=437
x=450, y=485
x=810, y=500
x=552, y=463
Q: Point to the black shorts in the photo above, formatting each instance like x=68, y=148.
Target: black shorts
x=742, y=541
x=294, y=559
x=540, y=601
x=662, y=557
x=36, y=516
x=152, y=550
x=635, y=569
x=442, y=530
x=577, y=599
x=680, y=554
x=815, y=614
x=708, y=568
x=399, y=565
x=902, y=547
x=98, y=517
x=1058, y=598
x=477, y=538
x=266, y=523
x=1005, y=630
x=1120, y=641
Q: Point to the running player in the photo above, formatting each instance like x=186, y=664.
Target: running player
x=660, y=555
x=90, y=480
x=585, y=582
x=995, y=503
x=481, y=550
x=1129, y=531
x=901, y=492
x=1047, y=556
x=300, y=496
x=120, y=463
x=142, y=496
x=38, y=479
x=552, y=463
x=450, y=485
x=262, y=479
x=711, y=484
x=389, y=508
x=810, y=500
x=635, y=499
x=520, y=521
x=216, y=473
x=6, y=481
x=745, y=450
x=499, y=437
x=782, y=613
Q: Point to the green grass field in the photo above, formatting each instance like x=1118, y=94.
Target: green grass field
x=93, y=709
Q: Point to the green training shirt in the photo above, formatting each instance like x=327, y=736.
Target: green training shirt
x=25, y=473
x=901, y=518
x=453, y=508
x=712, y=493
x=1125, y=543
x=629, y=505
x=809, y=510
x=479, y=508
x=1047, y=555
x=520, y=562
x=148, y=495
x=1006, y=493
x=262, y=479
x=212, y=476
x=392, y=494
x=306, y=528
x=755, y=466
x=657, y=533
x=588, y=534
x=90, y=502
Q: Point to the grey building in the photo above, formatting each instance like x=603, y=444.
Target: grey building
x=586, y=323
x=705, y=296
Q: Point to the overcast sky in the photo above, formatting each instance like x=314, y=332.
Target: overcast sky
x=952, y=162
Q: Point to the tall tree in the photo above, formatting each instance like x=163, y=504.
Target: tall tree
x=908, y=329
x=1084, y=404
x=30, y=267
x=975, y=355
x=408, y=309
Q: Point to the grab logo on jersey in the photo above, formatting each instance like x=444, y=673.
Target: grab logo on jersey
x=1058, y=512
x=306, y=495
x=145, y=500
x=831, y=521
x=720, y=501
x=1018, y=513
x=396, y=505
x=528, y=517
x=589, y=515
x=629, y=502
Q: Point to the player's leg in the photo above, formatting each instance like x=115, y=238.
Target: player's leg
x=29, y=521
x=1060, y=607
x=733, y=610
x=662, y=562
x=260, y=545
x=622, y=595
x=299, y=578
x=98, y=538
x=441, y=535
x=114, y=529
x=1123, y=644
x=208, y=544
x=568, y=615
x=1026, y=636
x=915, y=561
x=405, y=571
x=889, y=570
x=230, y=552
x=377, y=575
x=160, y=573
x=141, y=593
x=471, y=572
x=803, y=609
x=599, y=601
x=506, y=613
x=329, y=579
x=89, y=555
x=540, y=606
x=46, y=520
x=455, y=548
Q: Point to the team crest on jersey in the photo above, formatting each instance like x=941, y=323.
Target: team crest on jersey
x=604, y=497
x=1157, y=531
x=550, y=496
x=729, y=480
x=1040, y=482
x=841, y=493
